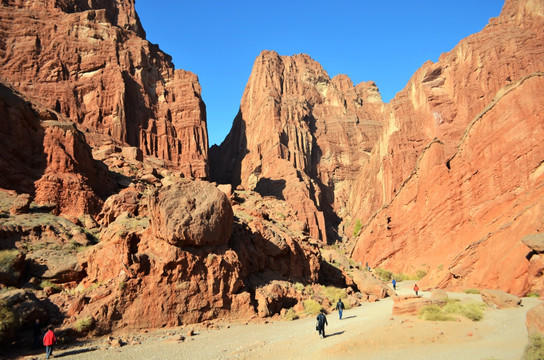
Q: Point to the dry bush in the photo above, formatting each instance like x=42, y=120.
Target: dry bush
x=312, y=307
x=535, y=348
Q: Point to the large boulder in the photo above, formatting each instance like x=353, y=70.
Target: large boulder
x=368, y=284
x=534, y=319
x=191, y=213
x=535, y=242
x=273, y=297
x=499, y=299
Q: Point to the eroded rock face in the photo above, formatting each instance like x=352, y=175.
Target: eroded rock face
x=456, y=180
x=179, y=261
x=299, y=136
x=90, y=62
x=48, y=158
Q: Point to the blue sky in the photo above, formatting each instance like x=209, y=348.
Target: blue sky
x=382, y=41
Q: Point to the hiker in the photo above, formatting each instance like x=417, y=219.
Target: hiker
x=49, y=340
x=394, y=284
x=340, y=307
x=321, y=322
x=36, y=334
x=416, y=289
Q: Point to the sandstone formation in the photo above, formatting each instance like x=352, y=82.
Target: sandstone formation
x=534, y=242
x=180, y=260
x=90, y=62
x=191, y=213
x=300, y=136
x=534, y=320
x=499, y=299
x=456, y=180
x=48, y=158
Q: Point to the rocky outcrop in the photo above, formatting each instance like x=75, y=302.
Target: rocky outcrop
x=48, y=158
x=179, y=260
x=499, y=299
x=534, y=242
x=90, y=62
x=456, y=179
x=299, y=136
x=534, y=320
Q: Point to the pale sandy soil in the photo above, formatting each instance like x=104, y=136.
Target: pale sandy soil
x=366, y=332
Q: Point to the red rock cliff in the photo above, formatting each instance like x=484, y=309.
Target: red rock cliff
x=90, y=62
x=47, y=157
x=300, y=136
x=456, y=179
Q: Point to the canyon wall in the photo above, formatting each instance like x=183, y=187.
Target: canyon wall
x=90, y=62
x=456, y=179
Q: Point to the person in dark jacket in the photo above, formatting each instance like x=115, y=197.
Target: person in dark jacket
x=49, y=340
x=340, y=307
x=36, y=334
x=321, y=322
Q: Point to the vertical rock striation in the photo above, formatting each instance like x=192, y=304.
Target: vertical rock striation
x=90, y=62
x=299, y=136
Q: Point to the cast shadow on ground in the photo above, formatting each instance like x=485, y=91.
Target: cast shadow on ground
x=74, y=352
x=336, y=333
x=349, y=317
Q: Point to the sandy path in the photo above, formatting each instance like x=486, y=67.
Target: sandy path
x=366, y=332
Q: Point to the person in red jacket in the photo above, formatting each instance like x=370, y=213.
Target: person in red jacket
x=49, y=340
x=416, y=289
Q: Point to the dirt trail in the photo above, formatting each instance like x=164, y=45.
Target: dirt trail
x=366, y=332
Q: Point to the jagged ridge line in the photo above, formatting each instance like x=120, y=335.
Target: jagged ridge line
x=507, y=89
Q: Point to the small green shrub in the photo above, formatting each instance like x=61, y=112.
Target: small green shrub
x=333, y=293
x=434, y=313
x=6, y=259
x=298, y=287
x=312, y=307
x=472, y=291
x=420, y=274
x=8, y=323
x=535, y=295
x=291, y=315
x=473, y=311
x=49, y=283
x=535, y=348
x=121, y=284
x=85, y=324
x=384, y=275
x=357, y=228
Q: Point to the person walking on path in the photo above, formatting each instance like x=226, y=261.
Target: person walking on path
x=416, y=289
x=321, y=322
x=340, y=307
x=394, y=284
x=49, y=340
